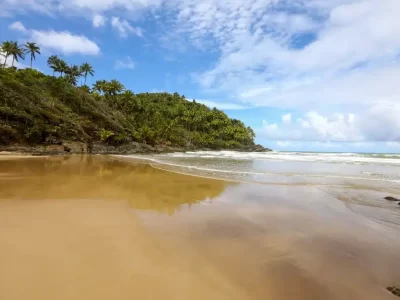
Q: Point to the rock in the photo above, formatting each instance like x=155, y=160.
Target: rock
x=389, y=198
x=394, y=290
x=254, y=148
x=67, y=149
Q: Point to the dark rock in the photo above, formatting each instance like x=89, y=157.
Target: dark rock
x=254, y=148
x=90, y=147
x=389, y=198
x=394, y=290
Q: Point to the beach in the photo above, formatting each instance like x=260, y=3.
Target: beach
x=103, y=227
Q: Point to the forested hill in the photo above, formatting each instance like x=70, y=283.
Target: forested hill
x=38, y=109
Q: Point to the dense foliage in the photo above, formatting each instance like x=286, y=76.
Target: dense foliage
x=36, y=108
x=40, y=109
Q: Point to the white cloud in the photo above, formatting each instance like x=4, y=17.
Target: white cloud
x=17, y=64
x=79, y=7
x=124, y=28
x=18, y=26
x=98, y=21
x=380, y=123
x=12, y=7
x=65, y=42
x=60, y=41
x=393, y=144
x=109, y=5
x=285, y=144
x=262, y=65
x=287, y=119
x=127, y=63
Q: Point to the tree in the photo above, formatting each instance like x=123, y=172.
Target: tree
x=61, y=67
x=86, y=70
x=100, y=86
x=16, y=52
x=72, y=74
x=32, y=49
x=114, y=87
x=52, y=62
x=6, y=48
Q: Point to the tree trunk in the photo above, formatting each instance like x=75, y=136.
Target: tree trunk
x=12, y=65
x=5, y=60
x=31, y=62
x=85, y=79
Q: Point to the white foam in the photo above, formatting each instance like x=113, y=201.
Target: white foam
x=346, y=158
x=266, y=174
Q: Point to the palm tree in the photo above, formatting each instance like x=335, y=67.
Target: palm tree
x=72, y=74
x=62, y=67
x=32, y=49
x=114, y=87
x=6, y=48
x=52, y=62
x=87, y=69
x=16, y=52
x=100, y=86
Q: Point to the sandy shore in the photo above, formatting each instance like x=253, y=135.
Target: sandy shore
x=97, y=228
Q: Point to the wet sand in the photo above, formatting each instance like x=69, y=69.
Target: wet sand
x=100, y=228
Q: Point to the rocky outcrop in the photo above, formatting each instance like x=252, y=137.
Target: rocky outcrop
x=65, y=148
x=389, y=198
x=54, y=149
x=258, y=148
x=394, y=290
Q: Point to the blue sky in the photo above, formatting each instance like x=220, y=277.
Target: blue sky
x=311, y=75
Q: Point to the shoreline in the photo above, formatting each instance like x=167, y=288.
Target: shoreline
x=68, y=148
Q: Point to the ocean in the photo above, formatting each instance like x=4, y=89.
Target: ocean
x=285, y=167
x=360, y=180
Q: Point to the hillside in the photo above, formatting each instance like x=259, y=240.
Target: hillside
x=38, y=109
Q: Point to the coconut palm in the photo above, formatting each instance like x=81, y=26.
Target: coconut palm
x=100, y=86
x=16, y=52
x=32, y=49
x=52, y=62
x=114, y=87
x=6, y=49
x=86, y=70
x=72, y=74
x=62, y=67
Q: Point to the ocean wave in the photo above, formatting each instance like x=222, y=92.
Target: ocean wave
x=368, y=176
x=344, y=158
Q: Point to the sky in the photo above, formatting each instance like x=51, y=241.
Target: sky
x=306, y=75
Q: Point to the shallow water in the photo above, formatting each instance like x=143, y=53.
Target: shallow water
x=361, y=180
x=288, y=167
x=102, y=228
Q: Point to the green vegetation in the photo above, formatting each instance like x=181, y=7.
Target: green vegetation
x=38, y=109
x=32, y=49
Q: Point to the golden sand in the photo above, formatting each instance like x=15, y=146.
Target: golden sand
x=97, y=228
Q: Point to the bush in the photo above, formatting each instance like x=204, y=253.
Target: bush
x=7, y=134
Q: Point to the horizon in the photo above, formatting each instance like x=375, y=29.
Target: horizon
x=267, y=63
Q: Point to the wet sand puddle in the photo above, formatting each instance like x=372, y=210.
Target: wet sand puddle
x=100, y=228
